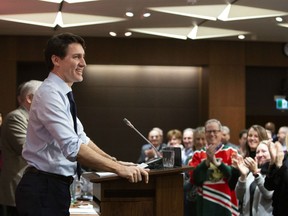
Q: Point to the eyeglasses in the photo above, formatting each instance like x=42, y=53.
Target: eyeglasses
x=212, y=131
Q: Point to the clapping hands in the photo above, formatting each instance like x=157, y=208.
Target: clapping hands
x=210, y=152
x=238, y=162
x=276, y=153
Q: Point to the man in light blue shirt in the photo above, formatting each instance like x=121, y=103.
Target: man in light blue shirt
x=53, y=146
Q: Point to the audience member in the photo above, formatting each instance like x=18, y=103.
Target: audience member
x=269, y=134
x=281, y=135
x=190, y=191
x=235, y=172
x=255, y=199
x=174, y=138
x=242, y=141
x=187, y=151
x=160, y=133
x=12, y=140
x=256, y=134
x=199, y=139
x=147, y=151
x=277, y=179
x=226, y=137
x=56, y=139
x=211, y=173
x=271, y=127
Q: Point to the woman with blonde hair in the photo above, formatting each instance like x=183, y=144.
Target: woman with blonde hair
x=256, y=199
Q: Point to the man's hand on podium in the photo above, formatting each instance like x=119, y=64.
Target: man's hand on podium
x=133, y=173
x=124, y=163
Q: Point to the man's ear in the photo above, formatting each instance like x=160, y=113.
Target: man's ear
x=55, y=59
x=29, y=98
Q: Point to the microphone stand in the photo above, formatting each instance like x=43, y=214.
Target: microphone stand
x=156, y=163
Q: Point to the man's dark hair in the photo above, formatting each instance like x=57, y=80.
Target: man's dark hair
x=58, y=44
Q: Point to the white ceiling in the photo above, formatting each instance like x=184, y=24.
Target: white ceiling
x=181, y=19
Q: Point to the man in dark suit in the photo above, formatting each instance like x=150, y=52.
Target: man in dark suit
x=12, y=140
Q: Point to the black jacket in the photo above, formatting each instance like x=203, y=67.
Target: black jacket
x=277, y=180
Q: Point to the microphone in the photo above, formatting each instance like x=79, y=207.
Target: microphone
x=129, y=124
x=155, y=163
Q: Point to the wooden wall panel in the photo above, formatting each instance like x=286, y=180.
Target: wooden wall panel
x=227, y=86
x=147, y=52
x=265, y=54
x=149, y=96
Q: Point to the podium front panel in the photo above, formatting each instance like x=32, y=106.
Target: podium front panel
x=162, y=196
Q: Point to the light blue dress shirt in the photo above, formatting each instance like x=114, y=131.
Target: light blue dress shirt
x=51, y=143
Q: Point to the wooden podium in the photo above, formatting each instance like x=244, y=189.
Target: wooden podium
x=162, y=196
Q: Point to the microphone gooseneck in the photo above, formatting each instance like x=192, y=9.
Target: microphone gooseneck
x=128, y=123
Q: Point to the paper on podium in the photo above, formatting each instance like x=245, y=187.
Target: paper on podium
x=105, y=174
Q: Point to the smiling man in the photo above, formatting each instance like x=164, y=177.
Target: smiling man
x=56, y=140
x=212, y=171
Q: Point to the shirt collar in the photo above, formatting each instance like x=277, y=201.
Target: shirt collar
x=62, y=85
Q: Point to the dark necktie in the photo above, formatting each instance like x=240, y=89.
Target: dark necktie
x=73, y=111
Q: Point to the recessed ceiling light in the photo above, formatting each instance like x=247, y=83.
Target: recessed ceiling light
x=146, y=14
x=279, y=19
x=113, y=34
x=241, y=37
x=129, y=14
x=128, y=34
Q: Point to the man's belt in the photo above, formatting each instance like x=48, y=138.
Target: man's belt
x=66, y=179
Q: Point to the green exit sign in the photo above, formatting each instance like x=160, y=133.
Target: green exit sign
x=281, y=104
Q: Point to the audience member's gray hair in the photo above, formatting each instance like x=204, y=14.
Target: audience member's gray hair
x=214, y=121
x=28, y=88
x=188, y=130
x=226, y=129
x=159, y=130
